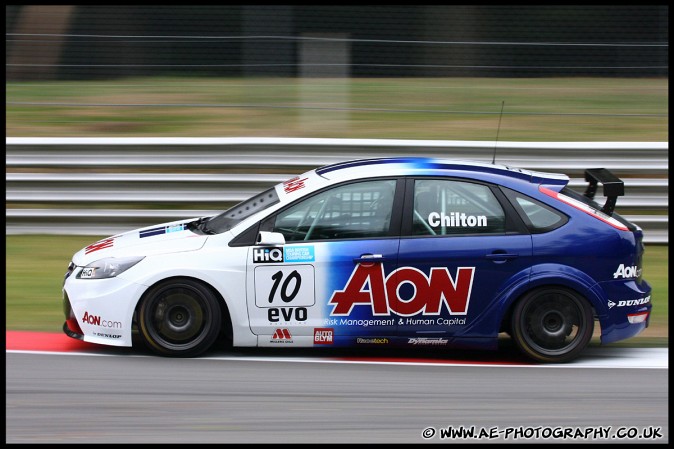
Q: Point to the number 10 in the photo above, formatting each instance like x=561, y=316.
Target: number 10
x=285, y=295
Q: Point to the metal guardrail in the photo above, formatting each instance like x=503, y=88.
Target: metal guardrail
x=54, y=173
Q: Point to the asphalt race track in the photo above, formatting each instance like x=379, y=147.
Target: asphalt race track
x=66, y=391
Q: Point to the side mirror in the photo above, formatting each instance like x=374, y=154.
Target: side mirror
x=270, y=238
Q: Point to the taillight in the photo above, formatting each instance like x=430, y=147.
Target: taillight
x=640, y=317
x=599, y=215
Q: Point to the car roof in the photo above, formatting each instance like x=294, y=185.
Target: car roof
x=428, y=166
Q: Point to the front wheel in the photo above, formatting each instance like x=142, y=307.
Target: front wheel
x=552, y=324
x=179, y=318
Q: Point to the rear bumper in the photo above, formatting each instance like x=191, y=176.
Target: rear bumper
x=629, y=310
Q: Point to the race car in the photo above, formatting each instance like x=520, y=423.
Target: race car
x=376, y=252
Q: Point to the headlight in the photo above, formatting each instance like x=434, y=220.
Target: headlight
x=108, y=267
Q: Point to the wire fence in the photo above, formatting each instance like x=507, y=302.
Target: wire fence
x=275, y=40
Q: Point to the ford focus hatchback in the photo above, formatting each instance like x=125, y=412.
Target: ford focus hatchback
x=380, y=252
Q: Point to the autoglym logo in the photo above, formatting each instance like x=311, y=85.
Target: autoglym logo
x=267, y=255
x=324, y=335
x=627, y=272
x=368, y=286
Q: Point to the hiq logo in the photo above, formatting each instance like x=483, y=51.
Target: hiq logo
x=267, y=255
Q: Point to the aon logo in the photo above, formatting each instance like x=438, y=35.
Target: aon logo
x=430, y=292
x=626, y=272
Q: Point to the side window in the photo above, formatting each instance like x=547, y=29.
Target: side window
x=357, y=210
x=537, y=216
x=445, y=207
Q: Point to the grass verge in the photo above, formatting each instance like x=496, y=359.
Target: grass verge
x=536, y=109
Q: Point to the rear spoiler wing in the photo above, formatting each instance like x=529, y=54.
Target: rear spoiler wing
x=613, y=187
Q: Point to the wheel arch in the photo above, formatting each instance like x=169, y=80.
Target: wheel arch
x=552, y=323
x=226, y=325
x=560, y=276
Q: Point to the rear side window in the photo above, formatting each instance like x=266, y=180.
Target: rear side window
x=448, y=207
x=537, y=216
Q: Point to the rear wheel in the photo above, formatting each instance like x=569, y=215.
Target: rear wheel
x=179, y=318
x=552, y=324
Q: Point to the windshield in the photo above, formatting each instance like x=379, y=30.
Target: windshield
x=231, y=217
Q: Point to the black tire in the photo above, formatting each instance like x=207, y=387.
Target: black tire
x=552, y=324
x=179, y=318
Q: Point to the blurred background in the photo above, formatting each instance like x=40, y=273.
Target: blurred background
x=570, y=72
x=565, y=87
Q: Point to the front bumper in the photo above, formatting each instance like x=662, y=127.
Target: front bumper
x=71, y=328
x=100, y=310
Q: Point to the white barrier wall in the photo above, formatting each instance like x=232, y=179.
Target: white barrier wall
x=102, y=186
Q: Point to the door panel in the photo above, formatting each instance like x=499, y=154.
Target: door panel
x=294, y=289
x=466, y=273
x=462, y=250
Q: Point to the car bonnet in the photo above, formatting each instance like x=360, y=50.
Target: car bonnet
x=158, y=239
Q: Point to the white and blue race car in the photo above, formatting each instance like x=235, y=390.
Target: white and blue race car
x=393, y=251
